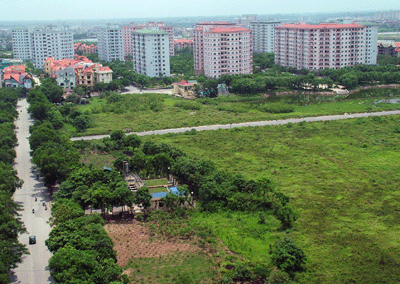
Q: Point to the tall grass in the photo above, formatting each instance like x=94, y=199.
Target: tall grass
x=343, y=178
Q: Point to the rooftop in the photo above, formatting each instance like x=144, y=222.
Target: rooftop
x=319, y=26
x=228, y=30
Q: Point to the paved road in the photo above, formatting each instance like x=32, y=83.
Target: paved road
x=34, y=268
x=135, y=90
x=250, y=124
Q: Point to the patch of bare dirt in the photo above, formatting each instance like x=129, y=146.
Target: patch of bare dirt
x=132, y=240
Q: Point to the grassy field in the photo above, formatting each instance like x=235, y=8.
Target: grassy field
x=343, y=178
x=97, y=160
x=141, y=113
x=174, y=268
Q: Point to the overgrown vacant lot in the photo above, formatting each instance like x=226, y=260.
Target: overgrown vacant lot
x=140, y=112
x=343, y=177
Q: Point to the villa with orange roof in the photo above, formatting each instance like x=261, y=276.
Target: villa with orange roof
x=391, y=49
x=222, y=48
x=78, y=71
x=15, y=76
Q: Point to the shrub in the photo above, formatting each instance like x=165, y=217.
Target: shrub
x=188, y=105
x=287, y=256
x=277, y=108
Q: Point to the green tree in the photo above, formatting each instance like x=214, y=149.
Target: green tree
x=287, y=256
x=143, y=197
x=63, y=210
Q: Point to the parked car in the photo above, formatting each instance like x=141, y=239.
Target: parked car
x=32, y=240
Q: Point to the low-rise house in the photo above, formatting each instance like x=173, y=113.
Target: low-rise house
x=66, y=77
x=15, y=76
x=183, y=42
x=391, y=49
x=85, y=72
x=85, y=49
x=184, y=89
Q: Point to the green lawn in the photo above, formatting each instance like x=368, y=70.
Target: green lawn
x=134, y=112
x=343, y=178
x=155, y=182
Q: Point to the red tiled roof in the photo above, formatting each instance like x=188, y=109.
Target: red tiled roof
x=183, y=40
x=184, y=83
x=16, y=77
x=228, y=30
x=319, y=26
x=105, y=68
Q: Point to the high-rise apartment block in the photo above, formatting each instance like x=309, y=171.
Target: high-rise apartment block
x=39, y=43
x=222, y=48
x=263, y=36
x=325, y=45
x=110, y=43
x=151, y=52
x=128, y=40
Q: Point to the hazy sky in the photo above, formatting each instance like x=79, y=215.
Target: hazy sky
x=17, y=10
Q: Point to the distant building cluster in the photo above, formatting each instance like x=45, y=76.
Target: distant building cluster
x=322, y=46
x=245, y=20
x=128, y=38
x=183, y=42
x=15, y=76
x=388, y=15
x=84, y=49
x=222, y=48
x=37, y=44
x=70, y=73
x=391, y=49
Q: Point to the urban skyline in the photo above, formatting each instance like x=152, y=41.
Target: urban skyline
x=46, y=10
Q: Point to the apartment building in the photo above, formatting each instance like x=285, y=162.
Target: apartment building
x=110, y=43
x=128, y=40
x=325, y=45
x=39, y=43
x=263, y=36
x=151, y=52
x=222, y=48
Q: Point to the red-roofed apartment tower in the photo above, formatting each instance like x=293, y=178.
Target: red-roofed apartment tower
x=322, y=46
x=222, y=48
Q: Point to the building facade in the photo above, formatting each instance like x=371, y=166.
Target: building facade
x=322, y=46
x=128, y=37
x=263, y=36
x=222, y=48
x=110, y=43
x=39, y=43
x=151, y=53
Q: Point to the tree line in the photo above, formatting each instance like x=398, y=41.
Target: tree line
x=87, y=254
x=10, y=224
